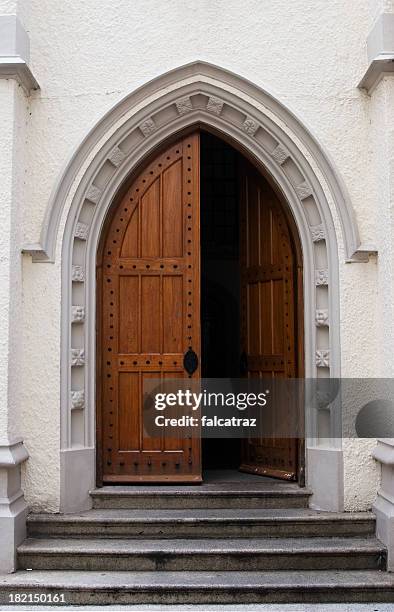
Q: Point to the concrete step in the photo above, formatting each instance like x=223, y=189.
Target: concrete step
x=105, y=588
x=205, y=554
x=199, y=523
x=224, y=495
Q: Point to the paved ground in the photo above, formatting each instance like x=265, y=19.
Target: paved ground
x=206, y=608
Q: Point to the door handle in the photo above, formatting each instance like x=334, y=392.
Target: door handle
x=190, y=361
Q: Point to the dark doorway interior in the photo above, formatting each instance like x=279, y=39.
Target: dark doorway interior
x=220, y=279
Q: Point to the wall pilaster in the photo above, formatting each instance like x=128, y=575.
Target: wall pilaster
x=15, y=83
x=379, y=83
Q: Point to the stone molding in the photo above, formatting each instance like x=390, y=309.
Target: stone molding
x=177, y=87
x=12, y=453
x=380, y=50
x=13, y=508
x=384, y=503
x=384, y=452
x=14, y=53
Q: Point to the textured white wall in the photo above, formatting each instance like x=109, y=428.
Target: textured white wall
x=87, y=55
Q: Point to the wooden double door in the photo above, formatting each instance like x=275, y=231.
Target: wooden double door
x=148, y=313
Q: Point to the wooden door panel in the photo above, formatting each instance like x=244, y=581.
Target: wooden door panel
x=268, y=313
x=129, y=420
x=149, y=287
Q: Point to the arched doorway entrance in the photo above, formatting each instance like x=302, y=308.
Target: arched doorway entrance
x=198, y=252
x=271, y=134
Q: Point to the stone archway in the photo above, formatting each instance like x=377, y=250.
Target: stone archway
x=195, y=94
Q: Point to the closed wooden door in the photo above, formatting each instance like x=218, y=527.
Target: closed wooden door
x=268, y=313
x=149, y=315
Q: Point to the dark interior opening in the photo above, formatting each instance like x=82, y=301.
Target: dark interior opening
x=220, y=280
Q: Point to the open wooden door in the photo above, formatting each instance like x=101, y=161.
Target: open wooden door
x=149, y=315
x=268, y=312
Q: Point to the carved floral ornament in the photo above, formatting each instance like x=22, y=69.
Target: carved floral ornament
x=280, y=154
x=215, y=105
x=184, y=105
x=318, y=233
x=81, y=231
x=77, y=357
x=77, y=400
x=250, y=126
x=77, y=274
x=116, y=156
x=93, y=194
x=323, y=358
x=148, y=126
x=321, y=277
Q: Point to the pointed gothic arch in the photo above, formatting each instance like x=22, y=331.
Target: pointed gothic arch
x=201, y=94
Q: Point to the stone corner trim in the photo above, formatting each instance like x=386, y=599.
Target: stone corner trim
x=13, y=508
x=384, y=451
x=379, y=67
x=380, y=46
x=37, y=253
x=14, y=53
x=362, y=253
x=12, y=453
x=383, y=506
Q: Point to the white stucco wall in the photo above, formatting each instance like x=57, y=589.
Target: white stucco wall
x=87, y=55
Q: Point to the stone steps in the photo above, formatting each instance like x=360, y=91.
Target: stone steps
x=226, y=495
x=105, y=588
x=238, y=555
x=254, y=541
x=199, y=523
